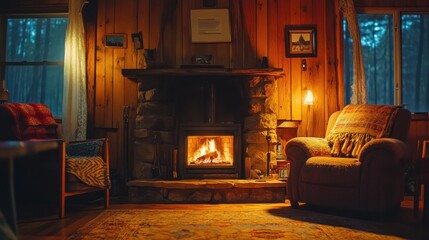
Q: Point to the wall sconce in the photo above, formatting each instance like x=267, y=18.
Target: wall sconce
x=309, y=98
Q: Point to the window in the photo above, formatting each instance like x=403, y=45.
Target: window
x=389, y=81
x=34, y=59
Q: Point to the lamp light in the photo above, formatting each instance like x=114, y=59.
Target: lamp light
x=309, y=98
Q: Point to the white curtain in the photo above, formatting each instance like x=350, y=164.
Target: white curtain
x=359, y=92
x=74, y=99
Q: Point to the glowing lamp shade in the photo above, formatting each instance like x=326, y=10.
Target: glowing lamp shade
x=309, y=98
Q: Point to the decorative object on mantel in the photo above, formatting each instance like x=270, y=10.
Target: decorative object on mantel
x=151, y=59
x=4, y=93
x=137, y=40
x=210, y=25
x=202, y=66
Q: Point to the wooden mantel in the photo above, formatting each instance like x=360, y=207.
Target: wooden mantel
x=138, y=74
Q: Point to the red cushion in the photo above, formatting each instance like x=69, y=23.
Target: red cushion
x=24, y=121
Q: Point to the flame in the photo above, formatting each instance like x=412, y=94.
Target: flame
x=205, y=151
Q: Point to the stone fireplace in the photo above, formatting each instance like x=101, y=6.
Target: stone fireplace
x=203, y=123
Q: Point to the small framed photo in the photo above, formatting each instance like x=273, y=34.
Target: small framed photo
x=137, y=40
x=300, y=41
x=115, y=40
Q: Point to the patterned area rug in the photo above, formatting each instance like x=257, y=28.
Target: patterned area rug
x=235, y=223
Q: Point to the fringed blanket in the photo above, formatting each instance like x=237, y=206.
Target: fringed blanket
x=358, y=124
x=90, y=170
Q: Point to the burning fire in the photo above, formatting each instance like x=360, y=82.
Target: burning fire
x=207, y=153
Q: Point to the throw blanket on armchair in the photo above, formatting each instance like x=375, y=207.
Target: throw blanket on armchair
x=358, y=124
x=90, y=170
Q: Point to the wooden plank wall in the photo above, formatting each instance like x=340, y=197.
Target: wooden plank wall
x=257, y=30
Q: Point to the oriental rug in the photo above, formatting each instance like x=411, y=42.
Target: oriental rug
x=223, y=221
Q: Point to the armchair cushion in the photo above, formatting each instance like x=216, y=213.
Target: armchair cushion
x=326, y=170
x=358, y=124
x=24, y=121
x=90, y=148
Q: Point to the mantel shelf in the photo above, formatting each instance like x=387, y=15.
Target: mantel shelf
x=138, y=74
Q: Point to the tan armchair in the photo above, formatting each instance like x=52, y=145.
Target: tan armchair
x=358, y=166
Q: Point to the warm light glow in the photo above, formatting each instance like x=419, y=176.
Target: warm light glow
x=309, y=98
x=210, y=151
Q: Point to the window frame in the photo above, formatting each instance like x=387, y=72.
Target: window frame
x=3, y=35
x=397, y=41
x=3, y=29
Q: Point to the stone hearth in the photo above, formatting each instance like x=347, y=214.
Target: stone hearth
x=206, y=191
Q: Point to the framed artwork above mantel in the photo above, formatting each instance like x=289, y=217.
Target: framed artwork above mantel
x=210, y=26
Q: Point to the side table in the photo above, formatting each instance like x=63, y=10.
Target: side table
x=9, y=151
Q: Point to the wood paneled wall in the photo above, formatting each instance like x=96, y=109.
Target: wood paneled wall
x=257, y=31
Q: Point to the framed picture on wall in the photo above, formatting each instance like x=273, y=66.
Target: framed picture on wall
x=210, y=26
x=115, y=40
x=300, y=41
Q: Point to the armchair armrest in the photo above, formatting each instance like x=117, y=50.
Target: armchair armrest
x=390, y=149
x=383, y=164
x=306, y=147
x=298, y=150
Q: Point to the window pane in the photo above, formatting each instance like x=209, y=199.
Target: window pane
x=415, y=62
x=35, y=39
x=377, y=48
x=36, y=84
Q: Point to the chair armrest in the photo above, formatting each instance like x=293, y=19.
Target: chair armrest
x=306, y=147
x=390, y=149
x=298, y=150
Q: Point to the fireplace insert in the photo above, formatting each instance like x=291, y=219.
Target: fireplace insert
x=210, y=151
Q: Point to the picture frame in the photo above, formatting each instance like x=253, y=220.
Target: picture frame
x=137, y=39
x=115, y=40
x=210, y=26
x=300, y=41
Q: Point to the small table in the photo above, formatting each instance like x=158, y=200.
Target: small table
x=9, y=150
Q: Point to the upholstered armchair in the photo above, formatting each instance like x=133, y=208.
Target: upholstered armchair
x=76, y=168
x=358, y=166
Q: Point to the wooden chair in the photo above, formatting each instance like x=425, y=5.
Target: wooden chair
x=422, y=178
x=83, y=166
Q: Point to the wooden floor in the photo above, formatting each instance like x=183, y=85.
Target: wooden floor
x=79, y=214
